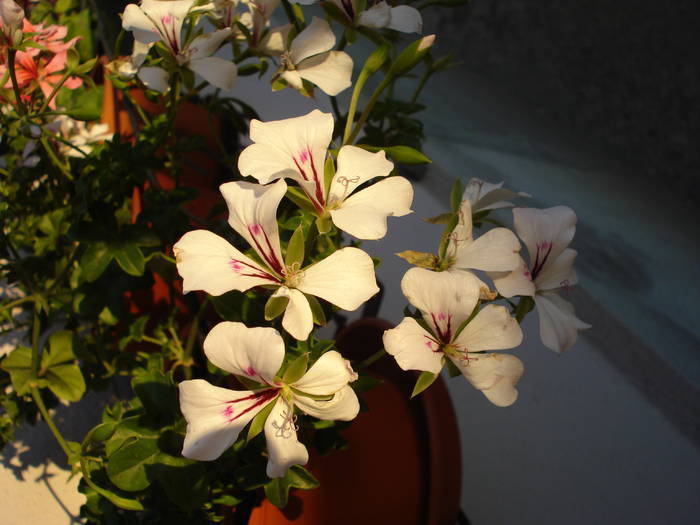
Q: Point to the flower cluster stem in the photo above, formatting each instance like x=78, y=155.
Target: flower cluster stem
x=36, y=395
x=368, y=108
x=15, y=85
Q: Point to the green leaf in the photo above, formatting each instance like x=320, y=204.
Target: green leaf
x=130, y=259
x=60, y=349
x=185, y=482
x=328, y=173
x=299, y=198
x=18, y=364
x=443, y=218
x=323, y=224
x=102, y=432
x=95, y=260
x=258, y=422
x=275, y=306
x=66, y=381
x=420, y=259
x=317, y=312
x=301, y=478
x=277, y=491
x=452, y=368
x=425, y=379
x=295, y=248
x=81, y=103
x=296, y=369
x=126, y=468
x=411, y=55
x=157, y=393
x=525, y=305
x=401, y=154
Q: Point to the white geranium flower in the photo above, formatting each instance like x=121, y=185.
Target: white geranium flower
x=224, y=13
x=210, y=263
x=495, y=250
x=546, y=234
x=79, y=135
x=257, y=18
x=446, y=301
x=157, y=20
x=402, y=18
x=483, y=195
x=215, y=416
x=297, y=148
x=311, y=57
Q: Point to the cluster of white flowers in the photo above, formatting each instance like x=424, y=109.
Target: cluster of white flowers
x=453, y=325
x=355, y=190
x=305, y=55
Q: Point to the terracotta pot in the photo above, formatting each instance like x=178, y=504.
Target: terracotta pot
x=403, y=462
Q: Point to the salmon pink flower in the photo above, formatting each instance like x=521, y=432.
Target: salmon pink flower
x=43, y=73
x=210, y=263
x=216, y=416
x=446, y=301
x=297, y=148
x=51, y=38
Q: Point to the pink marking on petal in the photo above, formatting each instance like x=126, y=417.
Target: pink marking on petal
x=255, y=229
x=251, y=371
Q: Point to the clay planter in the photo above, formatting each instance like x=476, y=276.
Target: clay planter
x=403, y=462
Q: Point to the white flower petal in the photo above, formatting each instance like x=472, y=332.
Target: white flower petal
x=343, y=407
x=558, y=325
x=282, y=445
x=492, y=328
x=546, y=233
x=486, y=196
x=331, y=71
x=446, y=299
x=355, y=167
x=329, y=373
x=406, y=19
x=379, y=15
x=134, y=19
x=154, y=78
x=298, y=318
x=496, y=250
x=215, y=416
x=218, y=72
x=517, y=282
x=275, y=42
x=139, y=54
x=344, y=278
x=559, y=273
x=364, y=214
x=293, y=147
x=413, y=347
x=207, y=44
x=253, y=214
x=495, y=375
x=208, y=262
x=256, y=352
x=316, y=38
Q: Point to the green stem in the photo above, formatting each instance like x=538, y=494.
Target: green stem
x=16, y=302
x=290, y=14
x=368, y=108
x=13, y=76
x=191, y=338
x=49, y=421
x=359, y=84
x=421, y=85
x=55, y=89
x=36, y=332
x=54, y=158
x=371, y=359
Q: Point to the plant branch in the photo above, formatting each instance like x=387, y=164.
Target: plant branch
x=15, y=85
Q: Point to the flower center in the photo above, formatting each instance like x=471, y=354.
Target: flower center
x=544, y=248
x=293, y=275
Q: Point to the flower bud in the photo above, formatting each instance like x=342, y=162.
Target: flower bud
x=411, y=55
x=11, y=16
